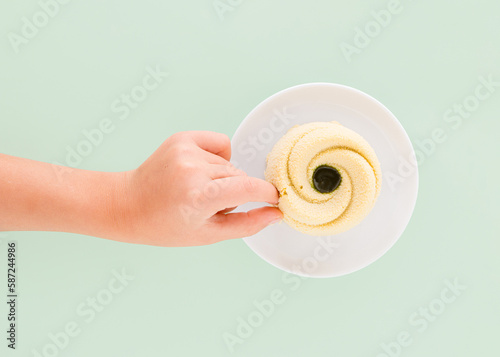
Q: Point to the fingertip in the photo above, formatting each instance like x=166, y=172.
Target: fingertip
x=276, y=216
x=276, y=196
x=266, y=189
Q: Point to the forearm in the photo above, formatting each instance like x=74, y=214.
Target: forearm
x=34, y=198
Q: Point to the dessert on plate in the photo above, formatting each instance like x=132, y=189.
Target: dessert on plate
x=327, y=175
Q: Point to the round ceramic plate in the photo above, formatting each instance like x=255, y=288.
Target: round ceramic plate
x=344, y=253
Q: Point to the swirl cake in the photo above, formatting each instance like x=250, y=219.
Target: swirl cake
x=328, y=177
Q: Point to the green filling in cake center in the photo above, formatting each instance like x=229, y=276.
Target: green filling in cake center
x=326, y=179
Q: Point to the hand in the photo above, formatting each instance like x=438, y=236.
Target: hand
x=182, y=195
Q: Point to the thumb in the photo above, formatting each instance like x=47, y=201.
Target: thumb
x=245, y=224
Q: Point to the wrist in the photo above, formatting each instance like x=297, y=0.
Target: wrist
x=119, y=208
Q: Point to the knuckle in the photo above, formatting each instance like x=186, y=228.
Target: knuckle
x=179, y=137
x=180, y=151
x=212, y=189
x=228, y=171
x=194, y=198
x=190, y=194
x=186, y=167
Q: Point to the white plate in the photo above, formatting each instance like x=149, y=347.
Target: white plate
x=344, y=253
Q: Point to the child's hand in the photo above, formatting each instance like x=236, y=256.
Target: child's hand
x=180, y=196
x=183, y=193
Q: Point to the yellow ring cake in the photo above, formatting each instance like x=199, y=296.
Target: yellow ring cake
x=328, y=177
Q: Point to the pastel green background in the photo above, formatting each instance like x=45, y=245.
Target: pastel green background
x=183, y=300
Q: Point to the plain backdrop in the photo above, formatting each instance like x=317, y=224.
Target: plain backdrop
x=421, y=63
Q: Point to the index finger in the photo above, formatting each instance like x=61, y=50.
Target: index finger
x=237, y=190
